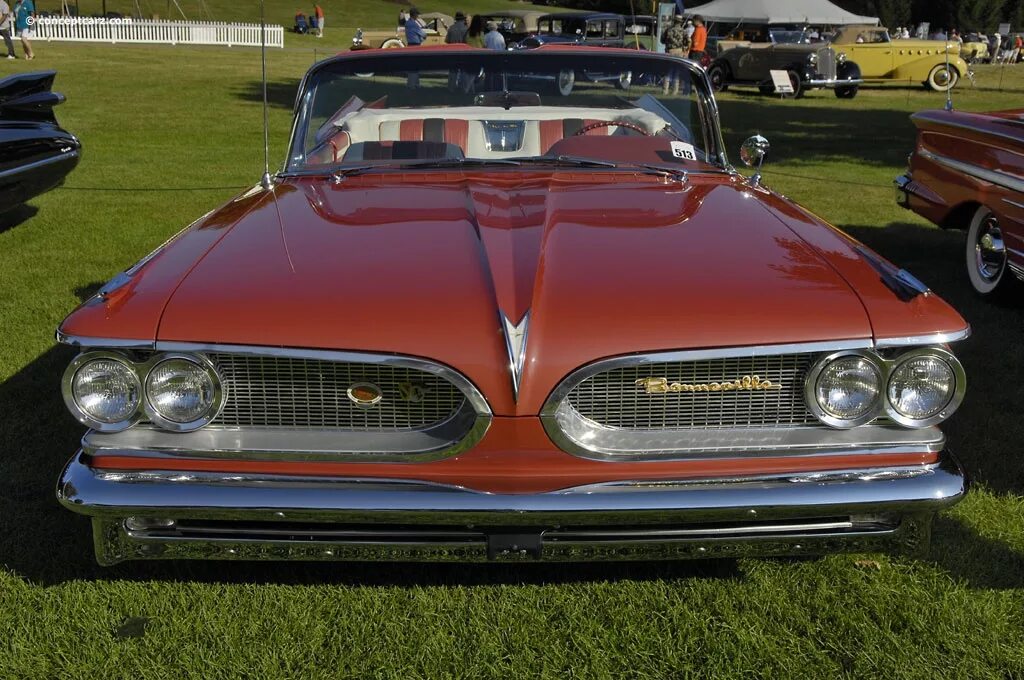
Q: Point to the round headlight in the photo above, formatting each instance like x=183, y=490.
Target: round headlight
x=845, y=390
x=182, y=393
x=103, y=391
x=925, y=387
x=812, y=58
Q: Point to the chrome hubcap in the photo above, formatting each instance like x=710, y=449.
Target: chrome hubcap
x=989, y=251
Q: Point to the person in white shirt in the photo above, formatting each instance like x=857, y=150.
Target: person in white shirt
x=6, y=22
x=492, y=39
x=906, y=34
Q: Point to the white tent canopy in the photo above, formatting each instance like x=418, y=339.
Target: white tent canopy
x=815, y=12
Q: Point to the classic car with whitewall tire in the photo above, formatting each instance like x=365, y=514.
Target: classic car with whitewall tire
x=591, y=29
x=36, y=154
x=967, y=172
x=507, y=325
x=808, y=66
x=435, y=25
x=935, y=64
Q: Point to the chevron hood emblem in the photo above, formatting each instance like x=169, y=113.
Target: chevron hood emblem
x=515, y=343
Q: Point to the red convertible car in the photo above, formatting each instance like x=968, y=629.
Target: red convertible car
x=967, y=172
x=473, y=319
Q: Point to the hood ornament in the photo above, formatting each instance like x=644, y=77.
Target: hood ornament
x=515, y=343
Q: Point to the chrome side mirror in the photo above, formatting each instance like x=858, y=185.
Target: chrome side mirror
x=752, y=153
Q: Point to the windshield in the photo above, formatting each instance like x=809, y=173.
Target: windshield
x=422, y=107
x=788, y=37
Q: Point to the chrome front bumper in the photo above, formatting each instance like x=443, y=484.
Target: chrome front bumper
x=833, y=82
x=174, y=515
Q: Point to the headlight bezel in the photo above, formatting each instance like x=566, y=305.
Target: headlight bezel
x=811, y=387
x=68, y=392
x=216, y=405
x=955, y=398
x=886, y=365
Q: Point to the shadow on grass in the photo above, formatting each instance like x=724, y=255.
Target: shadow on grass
x=280, y=93
x=9, y=219
x=977, y=561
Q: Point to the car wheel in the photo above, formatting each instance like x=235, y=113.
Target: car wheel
x=625, y=80
x=719, y=78
x=798, y=86
x=942, y=78
x=392, y=44
x=848, y=92
x=566, y=81
x=986, y=253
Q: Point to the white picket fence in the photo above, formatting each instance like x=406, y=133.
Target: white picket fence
x=87, y=29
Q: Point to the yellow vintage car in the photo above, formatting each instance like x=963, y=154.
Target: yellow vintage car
x=936, y=64
x=435, y=24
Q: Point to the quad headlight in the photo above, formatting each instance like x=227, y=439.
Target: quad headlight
x=110, y=392
x=924, y=387
x=844, y=389
x=103, y=391
x=182, y=393
x=918, y=388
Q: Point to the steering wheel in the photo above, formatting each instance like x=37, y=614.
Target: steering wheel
x=609, y=123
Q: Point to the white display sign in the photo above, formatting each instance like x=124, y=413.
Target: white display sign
x=781, y=81
x=684, y=151
x=1004, y=29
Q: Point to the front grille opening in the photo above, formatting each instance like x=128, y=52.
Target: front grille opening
x=613, y=399
x=287, y=392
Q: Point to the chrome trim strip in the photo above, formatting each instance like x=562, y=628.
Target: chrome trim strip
x=516, y=336
x=833, y=82
x=104, y=343
x=15, y=171
x=933, y=339
x=997, y=177
x=1015, y=204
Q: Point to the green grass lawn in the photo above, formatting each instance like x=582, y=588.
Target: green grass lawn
x=168, y=134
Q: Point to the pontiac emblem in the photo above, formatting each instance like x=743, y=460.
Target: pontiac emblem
x=746, y=383
x=412, y=393
x=364, y=395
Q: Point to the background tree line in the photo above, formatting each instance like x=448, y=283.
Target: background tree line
x=965, y=15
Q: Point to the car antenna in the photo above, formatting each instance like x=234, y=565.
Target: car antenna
x=265, y=181
x=949, y=89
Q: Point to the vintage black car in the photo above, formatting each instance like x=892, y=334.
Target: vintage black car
x=35, y=152
x=809, y=66
x=594, y=29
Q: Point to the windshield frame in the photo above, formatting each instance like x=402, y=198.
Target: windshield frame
x=435, y=58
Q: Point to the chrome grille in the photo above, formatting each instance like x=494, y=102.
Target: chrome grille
x=271, y=391
x=613, y=399
x=827, y=63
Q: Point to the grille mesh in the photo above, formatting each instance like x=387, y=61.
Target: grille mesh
x=827, y=63
x=292, y=392
x=613, y=399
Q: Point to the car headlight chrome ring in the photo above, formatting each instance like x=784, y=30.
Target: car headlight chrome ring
x=855, y=378
x=924, y=387
x=103, y=391
x=183, y=392
x=812, y=58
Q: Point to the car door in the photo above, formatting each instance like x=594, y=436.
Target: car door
x=874, y=56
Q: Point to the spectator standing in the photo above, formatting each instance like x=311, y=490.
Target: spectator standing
x=677, y=43
x=403, y=16
x=698, y=44
x=493, y=40
x=24, y=18
x=475, y=34
x=690, y=28
x=5, y=28
x=415, y=34
x=906, y=34
x=318, y=12
x=457, y=32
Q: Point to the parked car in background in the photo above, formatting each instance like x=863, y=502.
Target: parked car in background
x=436, y=26
x=967, y=172
x=593, y=29
x=497, y=325
x=641, y=32
x=975, y=48
x=515, y=24
x=808, y=66
x=936, y=64
x=36, y=154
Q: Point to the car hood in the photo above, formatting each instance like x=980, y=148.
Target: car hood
x=605, y=264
